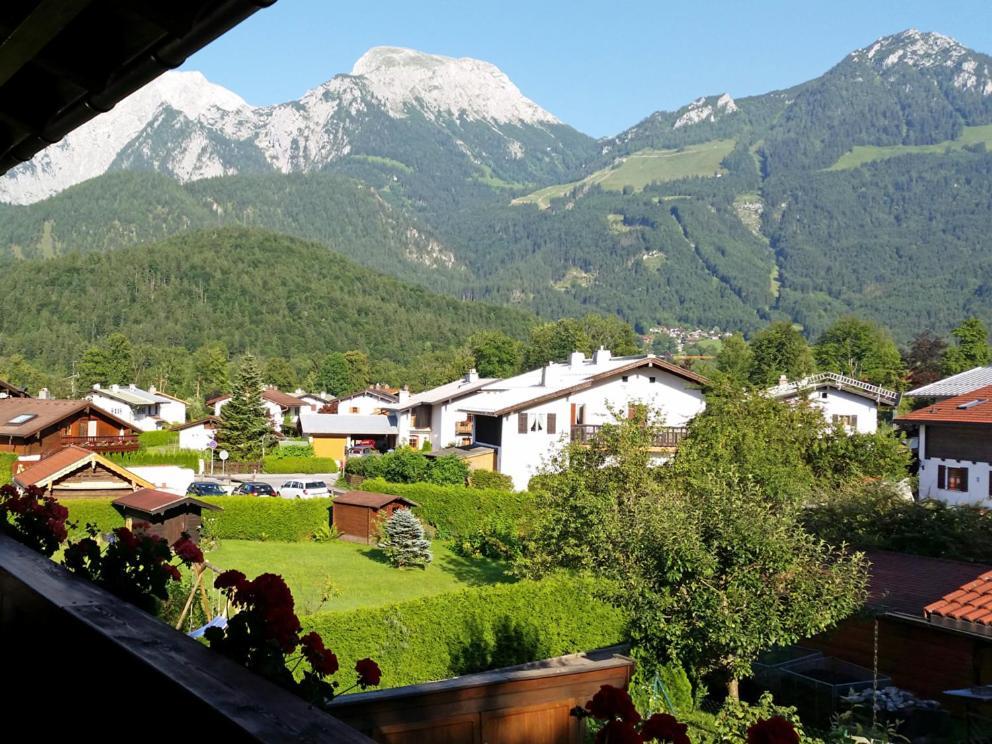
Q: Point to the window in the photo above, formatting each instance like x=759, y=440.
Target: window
x=625, y=378
x=824, y=395
x=537, y=423
x=653, y=379
x=952, y=479
x=354, y=409
x=22, y=418
x=847, y=420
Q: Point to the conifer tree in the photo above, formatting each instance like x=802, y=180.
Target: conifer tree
x=404, y=542
x=245, y=429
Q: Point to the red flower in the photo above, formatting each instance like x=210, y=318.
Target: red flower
x=172, y=571
x=126, y=538
x=369, y=674
x=230, y=580
x=187, y=550
x=665, y=728
x=613, y=702
x=619, y=732
x=321, y=660
x=775, y=730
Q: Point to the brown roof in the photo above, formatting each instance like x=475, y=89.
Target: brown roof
x=373, y=500
x=281, y=399
x=204, y=420
x=12, y=390
x=68, y=459
x=47, y=413
x=971, y=408
x=910, y=583
x=153, y=501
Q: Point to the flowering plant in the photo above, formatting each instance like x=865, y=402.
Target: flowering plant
x=264, y=636
x=32, y=518
x=135, y=565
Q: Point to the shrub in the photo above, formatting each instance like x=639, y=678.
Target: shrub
x=499, y=538
x=160, y=438
x=274, y=464
x=254, y=518
x=182, y=458
x=403, y=540
x=490, y=479
x=6, y=466
x=406, y=465
x=448, y=470
x=292, y=450
x=459, y=510
x=474, y=630
x=736, y=717
x=838, y=456
x=97, y=512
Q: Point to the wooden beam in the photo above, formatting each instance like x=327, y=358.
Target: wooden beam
x=35, y=32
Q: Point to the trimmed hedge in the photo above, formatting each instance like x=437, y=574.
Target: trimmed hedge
x=6, y=465
x=255, y=518
x=159, y=438
x=299, y=465
x=92, y=511
x=459, y=510
x=474, y=630
x=182, y=458
x=490, y=479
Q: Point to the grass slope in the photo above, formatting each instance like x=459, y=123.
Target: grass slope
x=863, y=154
x=639, y=169
x=358, y=575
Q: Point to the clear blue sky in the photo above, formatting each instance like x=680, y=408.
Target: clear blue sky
x=600, y=67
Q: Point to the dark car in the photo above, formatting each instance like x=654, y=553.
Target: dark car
x=254, y=489
x=205, y=488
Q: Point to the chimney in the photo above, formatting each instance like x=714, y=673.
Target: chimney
x=549, y=375
x=404, y=395
x=152, y=389
x=575, y=359
x=132, y=386
x=601, y=356
x=115, y=388
x=96, y=385
x=323, y=395
x=299, y=391
x=44, y=394
x=472, y=375
x=783, y=380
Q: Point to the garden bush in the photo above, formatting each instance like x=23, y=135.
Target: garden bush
x=181, y=458
x=474, y=630
x=6, y=465
x=275, y=465
x=285, y=451
x=498, y=538
x=159, y=438
x=410, y=466
x=490, y=479
x=254, y=518
x=459, y=510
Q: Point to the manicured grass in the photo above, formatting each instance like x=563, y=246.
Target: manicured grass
x=643, y=167
x=861, y=155
x=358, y=575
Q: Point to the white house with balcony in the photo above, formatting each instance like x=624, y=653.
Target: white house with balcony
x=146, y=410
x=843, y=400
x=373, y=401
x=955, y=447
x=282, y=408
x=530, y=417
x=435, y=416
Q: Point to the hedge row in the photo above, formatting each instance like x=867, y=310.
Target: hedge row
x=459, y=510
x=98, y=512
x=276, y=465
x=182, y=458
x=6, y=464
x=158, y=438
x=474, y=630
x=254, y=518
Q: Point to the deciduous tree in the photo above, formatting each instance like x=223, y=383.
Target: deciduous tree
x=971, y=350
x=860, y=349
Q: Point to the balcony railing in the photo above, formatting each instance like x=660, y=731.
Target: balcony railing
x=666, y=437
x=125, y=443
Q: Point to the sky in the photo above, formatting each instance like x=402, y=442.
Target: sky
x=600, y=67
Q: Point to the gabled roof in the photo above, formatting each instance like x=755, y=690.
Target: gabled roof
x=384, y=395
x=44, y=414
x=373, y=500
x=67, y=460
x=972, y=408
x=345, y=424
x=8, y=390
x=153, y=501
x=281, y=399
x=834, y=381
x=959, y=384
x=533, y=388
x=131, y=394
x=205, y=420
x=446, y=393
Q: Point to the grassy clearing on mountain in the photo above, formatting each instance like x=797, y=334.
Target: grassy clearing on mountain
x=643, y=167
x=863, y=154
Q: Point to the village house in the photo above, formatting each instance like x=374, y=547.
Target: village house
x=75, y=472
x=373, y=401
x=316, y=401
x=283, y=409
x=527, y=418
x=197, y=435
x=334, y=434
x=955, y=447
x=850, y=403
x=146, y=410
x=434, y=416
x=38, y=426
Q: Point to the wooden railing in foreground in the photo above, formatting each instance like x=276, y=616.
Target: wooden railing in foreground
x=78, y=661
x=527, y=704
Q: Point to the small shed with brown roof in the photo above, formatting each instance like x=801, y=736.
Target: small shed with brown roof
x=357, y=514
x=75, y=472
x=167, y=514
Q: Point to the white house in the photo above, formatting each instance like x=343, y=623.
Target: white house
x=196, y=435
x=146, y=410
x=843, y=400
x=316, y=401
x=528, y=418
x=434, y=415
x=373, y=401
x=955, y=449
x=281, y=407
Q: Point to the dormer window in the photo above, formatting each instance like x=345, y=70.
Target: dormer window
x=22, y=418
x=971, y=403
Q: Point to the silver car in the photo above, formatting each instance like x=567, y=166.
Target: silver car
x=304, y=489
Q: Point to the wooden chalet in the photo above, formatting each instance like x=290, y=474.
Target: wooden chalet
x=36, y=426
x=75, y=472
x=357, y=514
x=167, y=515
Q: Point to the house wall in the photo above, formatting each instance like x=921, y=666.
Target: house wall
x=196, y=437
x=330, y=446
x=50, y=439
x=353, y=522
x=367, y=405
x=979, y=476
x=173, y=412
x=841, y=403
x=115, y=407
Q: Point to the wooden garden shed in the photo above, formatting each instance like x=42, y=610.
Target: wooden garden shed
x=169, y=515
x=356, y=514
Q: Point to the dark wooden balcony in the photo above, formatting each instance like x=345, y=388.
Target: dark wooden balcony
x=667, y=437
x=104, y=444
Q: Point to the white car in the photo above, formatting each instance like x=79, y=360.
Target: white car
x=304, y=489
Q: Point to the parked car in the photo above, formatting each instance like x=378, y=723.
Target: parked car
x=304, y=489
x=254, y=489
x=205, y=488
x=360, y=450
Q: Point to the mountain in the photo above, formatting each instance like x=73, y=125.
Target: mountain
x=465, y=111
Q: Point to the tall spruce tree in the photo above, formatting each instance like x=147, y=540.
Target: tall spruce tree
x=245, y=428
x=404, y=542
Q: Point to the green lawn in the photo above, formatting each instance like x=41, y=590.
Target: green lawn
x=358, y=575
x=860, y=155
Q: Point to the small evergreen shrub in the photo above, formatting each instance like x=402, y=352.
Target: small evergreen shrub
x=403, y=540
x=159, y=438
x=490, y=479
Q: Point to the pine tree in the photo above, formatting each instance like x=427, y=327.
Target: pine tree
x=245, y=429
x=404, y=542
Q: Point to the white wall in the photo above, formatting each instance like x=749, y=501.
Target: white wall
x=195, y=437
x=367, y=405
x=170, y=478
x=117, y=408
x=841, y=403
x=174, y=412
x=979, y=474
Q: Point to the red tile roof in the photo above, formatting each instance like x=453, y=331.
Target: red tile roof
x=904, y=583
x=367, y=498
x=971, y=408
x=971, y=602
x=281, y=399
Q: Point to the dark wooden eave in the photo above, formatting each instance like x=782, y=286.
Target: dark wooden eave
x=62, y=62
